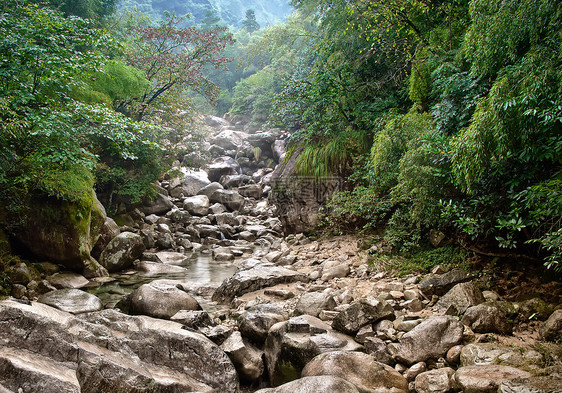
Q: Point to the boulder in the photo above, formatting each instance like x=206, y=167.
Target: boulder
x=121, y=251
x=251, y=191
x=229, y=198
x=279, y=151
x=439, y=284
x=334, y=269
x=209, y=189
x=377, y=348
x=431, y=339
x=197, y=205
x=546, y=384
x=71, y=300
x=485, y=318
x=358, y=368
x=256, y=321
x=161, y=299
x=478, y=354
x=61, y=231
x=190, y=184
x=68, y=280
x=222, y=166
x=253, y=279
x=290, y=345
x=228, y=139
x=435, y=381
x=361, y=312
x=160, y=205
x=313, y=303
x=461, y=297
x=324, y=383
x=107, y=351
x=246, y=358
x=485, y=379
x=193, y=319
x=551, y=329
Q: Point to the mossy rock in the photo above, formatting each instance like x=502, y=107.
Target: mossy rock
x=62, y=231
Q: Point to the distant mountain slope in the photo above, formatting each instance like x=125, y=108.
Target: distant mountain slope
x=268, y=12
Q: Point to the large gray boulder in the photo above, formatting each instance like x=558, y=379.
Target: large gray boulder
x=360, y=313
x=461, y=297
x=190, y=184
x=487, y=318
x=312, y=303
x=257, y=320
x=122, y=251
x=258, y=277
x=431, y=339
x=290, y=345
x=222, y=166
x=358, y=368
x=229, y=198
x=439, y=284
x=485, y=379
x=109, y=230
x=105, y=351
x=161, y=299
x=197, y=205
x=72, y=300
x=160, y=205
x=324, y=383
x=229, y=139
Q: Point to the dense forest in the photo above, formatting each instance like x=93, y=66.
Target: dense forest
x=443, y=117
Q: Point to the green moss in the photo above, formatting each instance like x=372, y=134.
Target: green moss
x=286, y=372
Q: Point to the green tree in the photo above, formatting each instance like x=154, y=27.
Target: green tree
x=250, y=23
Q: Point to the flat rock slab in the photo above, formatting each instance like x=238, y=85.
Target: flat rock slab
x=68, y=280
x=71, y=300
x=485, y=379
x=324, y=383
x=439, y=284
x=256, y=278
x=171, y=257
x=106, y=351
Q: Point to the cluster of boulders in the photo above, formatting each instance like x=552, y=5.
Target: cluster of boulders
x=296, y=315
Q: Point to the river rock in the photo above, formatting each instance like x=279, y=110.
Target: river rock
x=171, y=257
x=435, y=381
x=160, y=205
x=229, y=198
x=197, y=205
x=155, y=268
x=485, y=318
x=159, y=352
x=290, y=345
x=226, y=219
x=485, y=379
x=228, y=139
x=161, y=299
x=312, y=303
x=324, y=383
x=251, y=191
x=193, y=319
x=431, y=339
x=209, y=189
x=377, y=348
x=257, y=320
x=461, y=297
x=121, y=251
x=258, y=277
x=361, y=312
x=68, y=280
x=246, y=358
x=334, y=269
x=439, y=284
x=551, y=330
x=71, y=300
x=279, y=151
x=358, y=368
x=491, y=353
x=222, y=166
x=190, y=184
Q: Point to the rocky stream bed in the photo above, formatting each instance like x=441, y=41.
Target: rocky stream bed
x=206, y=293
